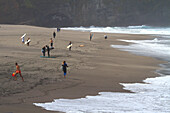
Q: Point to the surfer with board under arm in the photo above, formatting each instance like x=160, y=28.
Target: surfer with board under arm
x=105, y=36
x=28, y=41
x=69, y=46
x=22, y=38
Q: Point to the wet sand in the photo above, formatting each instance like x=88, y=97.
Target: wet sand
x=94, y=68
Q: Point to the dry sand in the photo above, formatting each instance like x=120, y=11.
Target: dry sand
x=94, y=68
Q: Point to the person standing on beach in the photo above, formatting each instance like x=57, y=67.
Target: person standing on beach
x=18, y=71
x=23, y=37
x=48, y=50
x=70, y=45
x=91, y=35
x=105, y=36
x=43, y=50
x=58, y=29
x=54, y=34
x=64, y=67
x=23, y=40
x=51, y=42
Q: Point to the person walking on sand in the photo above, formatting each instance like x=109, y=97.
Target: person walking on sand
x=48, y=50
x=70, y=45
x=54, y=34
x=43, y=51
x=51, y=42
x=18, y=71
x=23, y=39
x=64, y=67
x=105, y=36
x=91, y=35
x=28, y=41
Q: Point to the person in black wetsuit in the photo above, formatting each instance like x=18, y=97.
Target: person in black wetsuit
x=70, y=45
x=48, y=50
x=54, y=34
x=64, y=67
x=105, y=36
x=28, y=41
x=51, y=42
x=43, y=51
x=91, y=35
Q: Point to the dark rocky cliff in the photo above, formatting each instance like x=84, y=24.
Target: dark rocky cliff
x=52, y=13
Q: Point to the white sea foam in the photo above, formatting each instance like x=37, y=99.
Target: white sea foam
x=156, y=48
x=129, y=30
x=151, y=97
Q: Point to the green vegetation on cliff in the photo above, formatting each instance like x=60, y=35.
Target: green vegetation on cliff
x=52, y=13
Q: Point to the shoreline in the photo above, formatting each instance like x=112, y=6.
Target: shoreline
x=94, y=68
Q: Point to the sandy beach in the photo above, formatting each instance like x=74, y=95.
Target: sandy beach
x=94, y=68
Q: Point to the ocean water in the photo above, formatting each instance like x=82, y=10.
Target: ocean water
x=152, y=96
x=143, y=29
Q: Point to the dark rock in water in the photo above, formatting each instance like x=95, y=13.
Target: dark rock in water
x=60, y=13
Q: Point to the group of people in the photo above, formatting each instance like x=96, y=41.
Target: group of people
x=54, y=34
x=91, y=36
x=27, y=41
x=47, y=48
x=44, y=49
x=18, y=71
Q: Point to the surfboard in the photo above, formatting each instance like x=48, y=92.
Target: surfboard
x=51, y=48
x=81, y=45
x=47, y=56
x=27, y=41
x=23, y=35
x=69, y=46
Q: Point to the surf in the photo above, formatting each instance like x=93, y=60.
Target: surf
x=143, y=29
x=145, y=99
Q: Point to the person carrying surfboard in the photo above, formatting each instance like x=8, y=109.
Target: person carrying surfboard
x=28, y=41
x=105, y=36
x=22, y=38
x=18, y=71
x=64, y=67
x=70, y=45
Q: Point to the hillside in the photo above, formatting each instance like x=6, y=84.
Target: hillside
x=52, y=13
